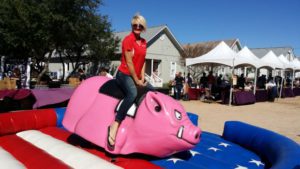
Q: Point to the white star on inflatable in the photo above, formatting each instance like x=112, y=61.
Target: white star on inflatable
x=224, y=144
x=258, y=163
x=214, y=149
x=240, y=167
x=174, y=160
x=194, y=153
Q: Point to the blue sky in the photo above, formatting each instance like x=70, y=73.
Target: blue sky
x=256, y=23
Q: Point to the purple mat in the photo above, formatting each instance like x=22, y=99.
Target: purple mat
x=51, y=96
x=288, y=92
x=15, y=94
x=261, y=95
x=243, y=97
x=296, y=91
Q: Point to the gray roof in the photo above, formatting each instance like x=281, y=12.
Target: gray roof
x=260, y=52
x=151, y=34
x=212, y=44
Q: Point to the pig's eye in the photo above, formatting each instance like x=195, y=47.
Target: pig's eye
x=157, y=108
x=178, y=115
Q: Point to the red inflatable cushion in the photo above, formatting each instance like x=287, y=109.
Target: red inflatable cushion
x=11, y=123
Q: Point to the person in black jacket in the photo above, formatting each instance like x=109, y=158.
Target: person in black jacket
x=241, y=81
x=179, y=80
x=189, y=79
x=204, y=81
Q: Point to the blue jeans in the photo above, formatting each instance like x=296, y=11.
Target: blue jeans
x=130, y=90
x=178, y=89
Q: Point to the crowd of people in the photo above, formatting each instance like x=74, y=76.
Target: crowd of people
x=214, y=85
x=210, y=83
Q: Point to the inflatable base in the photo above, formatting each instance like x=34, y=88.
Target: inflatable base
x=34, y=139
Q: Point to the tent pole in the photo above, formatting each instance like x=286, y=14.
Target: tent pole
x=27, y=82
x=255, y=79
x=151, y=68
x=231, y=86
x=293, y=79
x=281, y=83
x=2, y=64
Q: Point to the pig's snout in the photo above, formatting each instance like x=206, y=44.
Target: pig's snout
x=190, y=134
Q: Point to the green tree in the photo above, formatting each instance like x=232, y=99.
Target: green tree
x=72, y=30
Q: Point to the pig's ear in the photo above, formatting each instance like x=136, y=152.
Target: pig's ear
x=153, y=103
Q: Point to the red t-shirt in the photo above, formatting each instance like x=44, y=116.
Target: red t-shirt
x=139, y=53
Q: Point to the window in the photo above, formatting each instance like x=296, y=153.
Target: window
x=173, y=69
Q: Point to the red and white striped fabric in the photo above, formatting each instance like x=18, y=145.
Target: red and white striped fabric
x=8, y=161
x=30, y=139
x=52, y=152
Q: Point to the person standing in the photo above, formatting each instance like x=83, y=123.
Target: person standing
x=17, y=76
x=211, y=82
x=131, y=73
x=241, y=82
x=189, y=80
x=179, y=81
x=104, y=72
x=82, y=75
x=204, y=81
x=219, y=80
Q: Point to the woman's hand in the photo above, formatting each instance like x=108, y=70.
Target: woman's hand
x=140, y=83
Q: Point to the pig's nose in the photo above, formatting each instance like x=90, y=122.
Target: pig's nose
x=196, y=133
x=191, y=134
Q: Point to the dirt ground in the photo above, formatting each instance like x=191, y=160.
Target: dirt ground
x=281, y=116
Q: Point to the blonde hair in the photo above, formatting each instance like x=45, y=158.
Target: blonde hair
x=139, y=19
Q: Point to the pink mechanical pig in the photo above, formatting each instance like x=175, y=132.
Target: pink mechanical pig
x=156, y=124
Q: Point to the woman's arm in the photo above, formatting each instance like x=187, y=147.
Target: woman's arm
x=128, y=57
x=143, y=73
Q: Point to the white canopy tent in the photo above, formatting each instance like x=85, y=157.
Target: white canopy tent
x=246, y=57
x=296, y=64
x=222, y=54
x=286, y=65
x=271, y=60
